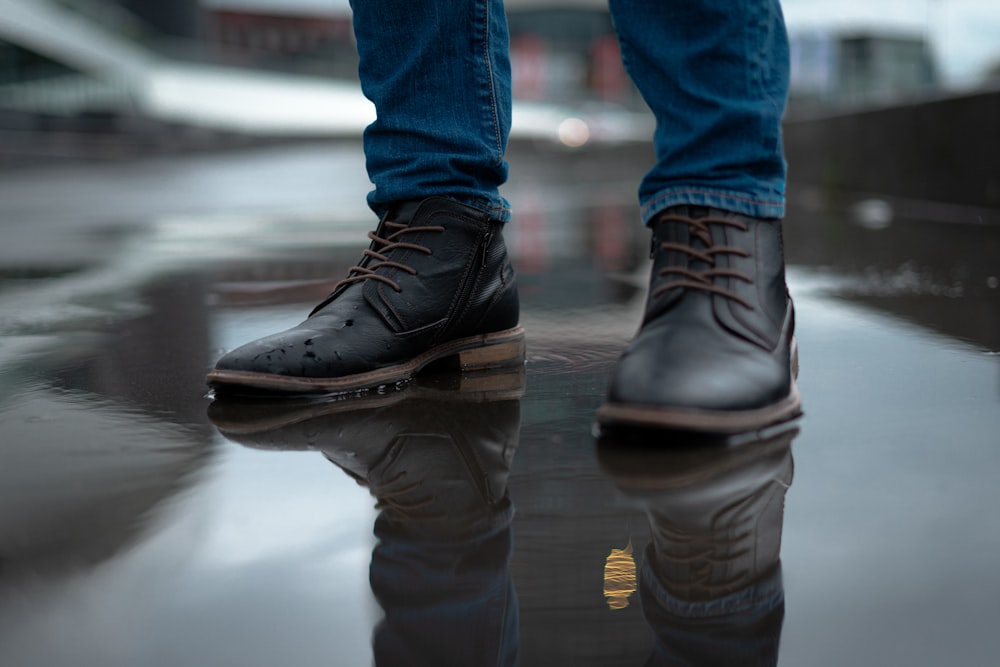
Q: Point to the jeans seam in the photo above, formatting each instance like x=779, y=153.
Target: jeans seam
x=711, y=193
x=760, y=81
x=490, y=82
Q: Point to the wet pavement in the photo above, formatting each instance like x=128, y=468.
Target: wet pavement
x=469, y=519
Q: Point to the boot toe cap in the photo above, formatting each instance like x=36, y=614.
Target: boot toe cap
x=296, y=353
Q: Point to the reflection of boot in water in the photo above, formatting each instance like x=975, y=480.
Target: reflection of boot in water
x=437, y=459
x=710, y=584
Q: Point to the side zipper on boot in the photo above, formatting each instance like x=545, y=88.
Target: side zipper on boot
x=475, y=268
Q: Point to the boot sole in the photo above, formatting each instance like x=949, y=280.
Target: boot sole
x=714, y=421
x=257, y=415
x=494, y=350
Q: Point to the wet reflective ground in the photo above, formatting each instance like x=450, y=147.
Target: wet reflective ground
x=471, y=519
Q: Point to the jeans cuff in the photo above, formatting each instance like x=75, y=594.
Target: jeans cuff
x=736, y=202
x=757, y=599
x=497, y=207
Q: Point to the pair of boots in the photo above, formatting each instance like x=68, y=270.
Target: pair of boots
x=715, y=350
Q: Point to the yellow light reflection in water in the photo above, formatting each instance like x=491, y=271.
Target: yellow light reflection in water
x=619, y=577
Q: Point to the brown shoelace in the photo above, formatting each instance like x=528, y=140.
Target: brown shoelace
x=379, y=254
x=704, y=279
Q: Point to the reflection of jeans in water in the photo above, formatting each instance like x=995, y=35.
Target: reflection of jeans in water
x=742, y=628
x=714, y=72
x=446, y=602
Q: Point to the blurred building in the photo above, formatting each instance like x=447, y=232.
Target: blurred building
x=304, y=36
x=177, y=18
x=836, y=69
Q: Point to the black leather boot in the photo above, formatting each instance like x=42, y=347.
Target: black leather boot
x=715, y=350
x=435, y=284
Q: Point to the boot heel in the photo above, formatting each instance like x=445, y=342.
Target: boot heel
x=492, y=356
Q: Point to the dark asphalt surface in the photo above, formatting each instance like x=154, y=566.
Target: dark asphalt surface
x=133, y=532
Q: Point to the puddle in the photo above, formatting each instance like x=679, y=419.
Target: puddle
x=471, y=517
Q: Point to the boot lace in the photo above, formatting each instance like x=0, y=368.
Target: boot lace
x=703, y=279
x=377, y=256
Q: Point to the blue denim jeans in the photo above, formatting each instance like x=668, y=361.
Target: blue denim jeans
x=438, y=72
x=714, y=72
